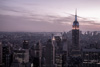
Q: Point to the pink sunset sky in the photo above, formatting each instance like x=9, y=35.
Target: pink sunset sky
x=48, y=15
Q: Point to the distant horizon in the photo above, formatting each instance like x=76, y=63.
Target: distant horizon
x=44, y=31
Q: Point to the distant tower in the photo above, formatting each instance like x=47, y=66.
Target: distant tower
x=75, y=36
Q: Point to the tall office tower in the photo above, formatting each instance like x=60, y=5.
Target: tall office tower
x=57, y=41
x=25, y=44
x=65, y=50
x=75, y=37
x=75, y=55
x=50, y=54
x=31, y=53
x=65, y=42
x=25, y=52
x=0, y=54
x=38, y=55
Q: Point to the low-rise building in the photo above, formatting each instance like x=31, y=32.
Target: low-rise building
x=91, y=57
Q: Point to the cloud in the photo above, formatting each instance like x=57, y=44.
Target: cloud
x=42, y=23
x=15, y=23
x=87, y=21
x=29, y=21
x=31, y=15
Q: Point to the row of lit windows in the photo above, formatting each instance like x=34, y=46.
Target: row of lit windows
x=77, y=28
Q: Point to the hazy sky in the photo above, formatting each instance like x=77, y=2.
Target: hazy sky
x=48, y=15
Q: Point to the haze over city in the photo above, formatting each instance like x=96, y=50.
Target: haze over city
x=48, y=15
x=49, y=33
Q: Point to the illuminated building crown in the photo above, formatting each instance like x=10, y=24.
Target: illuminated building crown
x=75, y=23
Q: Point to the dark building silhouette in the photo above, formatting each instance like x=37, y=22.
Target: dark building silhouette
x=38, y=55
x=0, y=54
x=25, y=44
x=64, y=59
x=50, y=54
x=91, y=57
x=6, y=59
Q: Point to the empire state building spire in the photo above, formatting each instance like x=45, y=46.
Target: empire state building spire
x=76, y=15
x=75, y=37
x=75, y=23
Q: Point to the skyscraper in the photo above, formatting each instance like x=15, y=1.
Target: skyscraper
x=75, y=55
x=50, y=54
x=38, y=55
x=75, y=37
x=6, y=58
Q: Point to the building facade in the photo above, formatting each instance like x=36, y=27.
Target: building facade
x=91, y=57
x=38, y=55
x=0, y=54
x=50, y=54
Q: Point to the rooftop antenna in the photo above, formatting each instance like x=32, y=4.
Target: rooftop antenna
x=76, y=15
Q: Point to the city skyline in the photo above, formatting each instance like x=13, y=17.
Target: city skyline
x=48, y=15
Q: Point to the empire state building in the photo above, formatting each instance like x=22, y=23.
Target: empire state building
x=75, y=37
